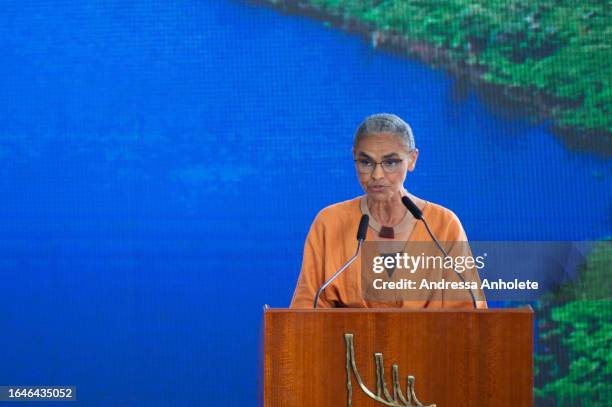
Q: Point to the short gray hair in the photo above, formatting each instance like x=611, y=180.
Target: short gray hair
x=385, y=123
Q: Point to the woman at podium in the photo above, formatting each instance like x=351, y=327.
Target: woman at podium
x=384, y=153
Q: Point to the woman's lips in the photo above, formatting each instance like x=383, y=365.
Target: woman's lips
x=377, y=188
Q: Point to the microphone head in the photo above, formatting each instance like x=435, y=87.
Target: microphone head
x=411, y=206
x=363, y=227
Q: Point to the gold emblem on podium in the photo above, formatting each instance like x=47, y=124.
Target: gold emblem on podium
x=382, y=395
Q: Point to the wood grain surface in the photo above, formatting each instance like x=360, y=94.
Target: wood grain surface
x=459, y=358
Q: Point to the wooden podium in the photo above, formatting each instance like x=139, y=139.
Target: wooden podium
x=457, y=358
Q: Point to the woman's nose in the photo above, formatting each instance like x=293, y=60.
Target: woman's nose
x=378, y=171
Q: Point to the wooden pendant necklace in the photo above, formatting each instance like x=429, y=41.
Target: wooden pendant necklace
x=386, y=232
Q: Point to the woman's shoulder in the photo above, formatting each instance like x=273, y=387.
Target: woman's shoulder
x=348, y=210
x=433, y=212
x=437, y=211
x=443, y=220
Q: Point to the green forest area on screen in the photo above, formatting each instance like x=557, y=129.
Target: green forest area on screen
x=554, y=56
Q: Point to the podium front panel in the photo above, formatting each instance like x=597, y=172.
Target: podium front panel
x=458, y=358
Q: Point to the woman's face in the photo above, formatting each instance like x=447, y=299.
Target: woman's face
x=383, y=183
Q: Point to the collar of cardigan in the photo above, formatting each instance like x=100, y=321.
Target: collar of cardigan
x=402, y=226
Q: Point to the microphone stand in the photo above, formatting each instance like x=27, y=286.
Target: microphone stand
x=337, y=273
x=418, y=214
x=460, y=275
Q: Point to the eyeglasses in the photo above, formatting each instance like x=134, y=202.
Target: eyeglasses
x=366, y=166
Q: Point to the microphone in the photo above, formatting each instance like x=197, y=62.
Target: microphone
x=363, y=228
x=412, y=208
x=418, y=214
x=361, y=234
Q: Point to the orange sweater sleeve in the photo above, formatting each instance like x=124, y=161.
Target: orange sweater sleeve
x=313, y=271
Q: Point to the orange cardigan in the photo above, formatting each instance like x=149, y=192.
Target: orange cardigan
x=331, y=241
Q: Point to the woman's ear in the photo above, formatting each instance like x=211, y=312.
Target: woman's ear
x=414, y=155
